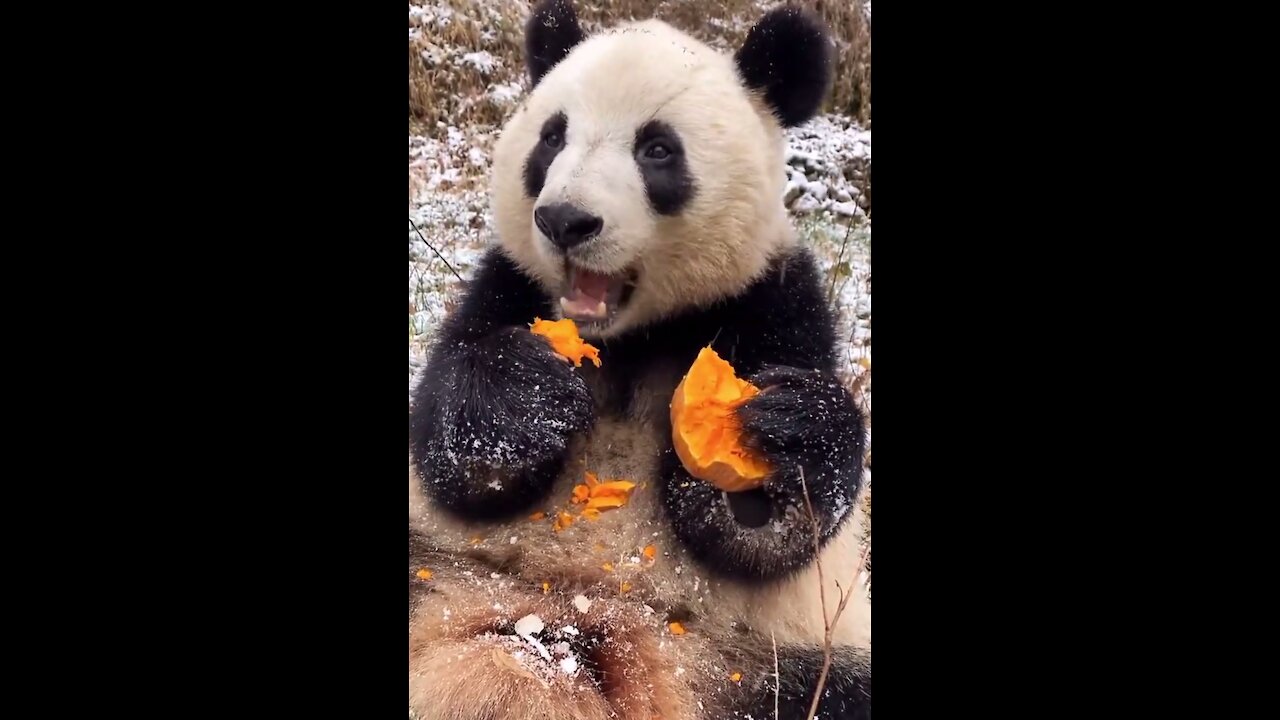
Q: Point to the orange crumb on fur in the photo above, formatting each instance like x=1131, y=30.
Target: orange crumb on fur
x=563, y=520
x=424, y=574
x=613, y=488
x=538, y=515
x=650, y=552
x=676, y=628
x=604, y=503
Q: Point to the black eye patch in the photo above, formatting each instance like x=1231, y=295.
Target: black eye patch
x=660, y=156
x=550, y=142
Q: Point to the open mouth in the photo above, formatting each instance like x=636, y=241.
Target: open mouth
x=592, y=297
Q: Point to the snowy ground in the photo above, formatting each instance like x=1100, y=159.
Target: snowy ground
x=826, y=165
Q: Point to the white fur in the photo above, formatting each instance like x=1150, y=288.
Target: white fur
x=608, y=87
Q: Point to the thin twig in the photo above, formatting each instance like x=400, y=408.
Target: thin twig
x=777, y=682
x=434, y=250
x=828, y=625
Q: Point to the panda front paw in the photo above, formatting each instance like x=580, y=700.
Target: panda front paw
x=806, y=423
x=492, y=422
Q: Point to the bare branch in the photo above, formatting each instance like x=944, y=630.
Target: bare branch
x=434, y=250
x=828, y=624
x=777, y=681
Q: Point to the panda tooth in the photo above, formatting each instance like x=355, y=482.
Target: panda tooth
x=601, y=309
x=564, y=306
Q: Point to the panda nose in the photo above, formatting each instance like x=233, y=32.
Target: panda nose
x=565, y=225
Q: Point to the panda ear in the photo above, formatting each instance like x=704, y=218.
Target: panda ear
x=550, y=34
x=787, y=56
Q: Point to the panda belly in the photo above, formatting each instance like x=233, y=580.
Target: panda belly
x=607, y=646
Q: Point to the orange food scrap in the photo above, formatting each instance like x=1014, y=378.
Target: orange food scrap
x=650, y=552
x=546, y=588
x=564, y=339
x=705, y=428
x=607, y=567
x=736, y=677
x=538, y=515
x=606, y=502
x=613, y=488
x=626, y=586
x=676, y=628
x=477, y=540
x=597, y=495
x=563, y=520
x=424, y=574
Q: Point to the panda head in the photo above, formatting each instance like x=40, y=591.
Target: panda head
x=643, y=174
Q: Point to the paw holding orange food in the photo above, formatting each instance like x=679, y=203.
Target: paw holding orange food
x=705, y=429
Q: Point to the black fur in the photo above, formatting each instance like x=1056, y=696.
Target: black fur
x=667, y=180
x=495, y=409
x=808, y=424
x=788, y=57
x=845, y=696
x=780, y=333
x=550, y=34
x=550, y=142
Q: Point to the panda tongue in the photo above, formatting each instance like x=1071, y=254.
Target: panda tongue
x=587, y=299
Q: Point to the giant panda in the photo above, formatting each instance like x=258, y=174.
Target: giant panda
x=638, y=191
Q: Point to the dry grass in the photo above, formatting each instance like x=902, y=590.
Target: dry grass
x=852, y=30
x=445, y=88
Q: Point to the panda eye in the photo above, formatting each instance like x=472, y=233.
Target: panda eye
x=553, y=140
x=657, y=152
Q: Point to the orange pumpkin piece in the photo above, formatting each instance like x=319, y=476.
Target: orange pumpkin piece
x=580, y=494
x=676, y=628
x=705, y=428
x=604, y=503
x=424, y=574
x=613, y=488
x=564, y=339
x=650, y=552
